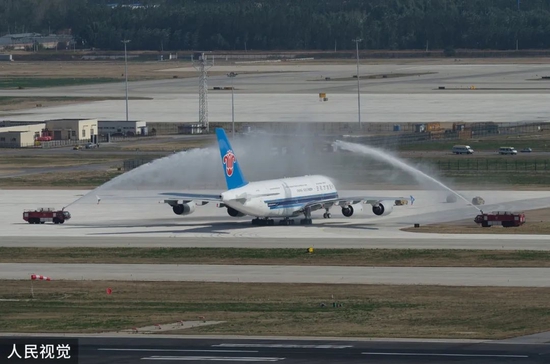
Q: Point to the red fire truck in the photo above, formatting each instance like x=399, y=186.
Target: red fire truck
x=504, y=218
x=43, y=214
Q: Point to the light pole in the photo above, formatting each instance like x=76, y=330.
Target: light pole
x=357, y=40
x=232, y=75
x=126, y=41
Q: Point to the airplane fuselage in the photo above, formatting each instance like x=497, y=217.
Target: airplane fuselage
x=279, y=197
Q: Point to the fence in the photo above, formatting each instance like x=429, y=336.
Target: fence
x=492, y=165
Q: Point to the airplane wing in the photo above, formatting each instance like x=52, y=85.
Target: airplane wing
x=166, y=197
x=190, y=196
x=344, y=201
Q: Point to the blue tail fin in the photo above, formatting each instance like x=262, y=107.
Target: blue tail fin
x=231, y=170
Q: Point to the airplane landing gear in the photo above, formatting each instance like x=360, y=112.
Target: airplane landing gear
x=263, y=222
x=327, y=214
x=307, y=215
x=286, y=221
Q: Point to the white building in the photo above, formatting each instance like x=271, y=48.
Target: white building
x=122, y=127
x=18, y=136
x=73, y=129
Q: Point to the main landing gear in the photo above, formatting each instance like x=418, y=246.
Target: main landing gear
x=286, y=221
x=263, y=222
x=269, y=222
x=327, y=214
x=307, y=215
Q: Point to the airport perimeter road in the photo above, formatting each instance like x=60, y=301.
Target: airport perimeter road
x=447, y=276
x=126, y=350
x=432, y=241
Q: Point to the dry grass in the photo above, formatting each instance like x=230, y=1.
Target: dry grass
x=23, y=103
x=321, y=257
x=537, y=222
x=278, y=309
x=88, y=69
x=169, y=145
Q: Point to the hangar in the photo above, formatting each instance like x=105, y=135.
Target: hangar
x=122, y=127
x=72, y=129
x=19, y=136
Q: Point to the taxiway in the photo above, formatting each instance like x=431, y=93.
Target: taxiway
x=447, y=276
x=160, y=348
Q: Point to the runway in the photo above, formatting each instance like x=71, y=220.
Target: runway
x=130, y=350
x=289, y=93
x=503, y=277
x=143, y=222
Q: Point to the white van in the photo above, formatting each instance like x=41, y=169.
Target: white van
x=462, y=149
x=507, y=150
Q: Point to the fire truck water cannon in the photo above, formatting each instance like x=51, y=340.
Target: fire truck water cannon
x=503, y=218
x=46, y=214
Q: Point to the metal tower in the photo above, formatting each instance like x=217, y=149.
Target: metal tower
x=202, y=65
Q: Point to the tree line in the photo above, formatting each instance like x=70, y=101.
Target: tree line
x=287, y=24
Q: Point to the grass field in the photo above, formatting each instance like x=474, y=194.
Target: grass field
x=24, y=82
x=68, y=180
x=335, y=257
x=74, y=159
x=539, y=142
x=537, y=222
x=277, y=309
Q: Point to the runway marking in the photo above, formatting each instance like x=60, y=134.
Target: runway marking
x=182, y=350
x=215, y=358
x=451, y=355
x=292, y=346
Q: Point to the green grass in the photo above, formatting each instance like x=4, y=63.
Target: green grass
x=61, y=179
x=538, y=145
x=501, y=178
x=24, y=82
x=277, y=309
x=341, y=257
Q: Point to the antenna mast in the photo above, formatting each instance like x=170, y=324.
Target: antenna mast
x=202, y=65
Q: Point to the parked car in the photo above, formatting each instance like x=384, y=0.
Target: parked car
x=91, y=145
x=526, y=150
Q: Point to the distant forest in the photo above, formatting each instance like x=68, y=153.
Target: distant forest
x=287, y=24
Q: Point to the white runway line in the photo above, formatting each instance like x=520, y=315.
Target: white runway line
x=448, y=355
x=180, y=350
x=215, y=358
x=288, y=346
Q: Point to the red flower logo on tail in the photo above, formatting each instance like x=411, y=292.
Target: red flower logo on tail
x=229, y=161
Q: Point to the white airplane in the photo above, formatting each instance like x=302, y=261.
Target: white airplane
x=284, y=198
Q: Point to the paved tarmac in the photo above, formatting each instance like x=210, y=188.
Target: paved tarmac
x=142, y=221
x=448, y=276
x=126, y=350
x=512, y=242
x=289, y=93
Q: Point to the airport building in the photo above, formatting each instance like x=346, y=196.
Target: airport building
x=20, y=136
x=122, y=127
x=72, y=129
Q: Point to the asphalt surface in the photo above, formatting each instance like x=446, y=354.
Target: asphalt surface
x=510, y=242
x=129, y=350
x=447, y=276
x=289, y=93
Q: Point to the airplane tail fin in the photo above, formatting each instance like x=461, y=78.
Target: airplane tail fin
x=233, y=175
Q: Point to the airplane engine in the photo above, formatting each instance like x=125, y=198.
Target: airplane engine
x=234, y=213
x=383, y=209
x=347, y=211
x=184, y=209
